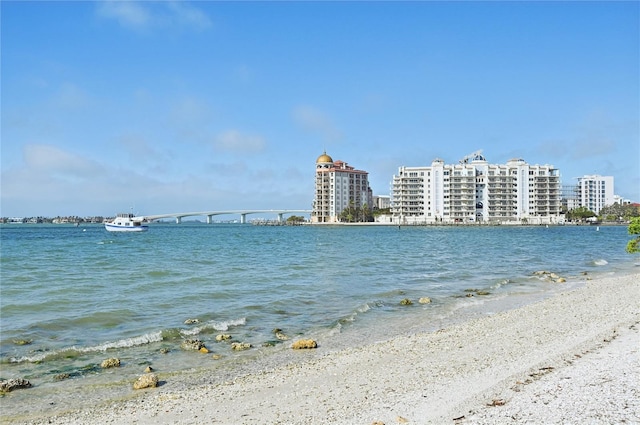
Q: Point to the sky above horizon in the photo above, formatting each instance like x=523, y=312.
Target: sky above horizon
x=165, y=107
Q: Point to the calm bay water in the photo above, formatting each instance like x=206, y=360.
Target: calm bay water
x=79, y=295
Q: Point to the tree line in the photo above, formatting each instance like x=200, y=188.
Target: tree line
x=610, y=213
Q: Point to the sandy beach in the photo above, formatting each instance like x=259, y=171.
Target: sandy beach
x=572, y=358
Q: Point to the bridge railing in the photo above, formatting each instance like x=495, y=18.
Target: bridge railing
x=209, y=214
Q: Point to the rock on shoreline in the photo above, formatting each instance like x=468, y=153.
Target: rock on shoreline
x=13, y=384
x=150, y=380
x=304, y=344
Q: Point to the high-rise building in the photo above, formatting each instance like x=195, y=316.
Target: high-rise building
x=475, y=191
x=381, y=202
x=338, y=186
x=595, y=192
x=569, y=197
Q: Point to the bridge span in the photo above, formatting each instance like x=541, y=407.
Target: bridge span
x=209, y=214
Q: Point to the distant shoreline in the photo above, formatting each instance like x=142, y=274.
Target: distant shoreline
x=488, y=224
x=269, y=222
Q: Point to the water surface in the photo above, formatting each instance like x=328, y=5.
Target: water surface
x=74, y=296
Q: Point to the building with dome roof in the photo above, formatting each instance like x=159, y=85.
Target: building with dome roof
x=337, y=186
x=475, y=191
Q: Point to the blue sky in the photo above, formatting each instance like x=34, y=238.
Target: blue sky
x=186, y=106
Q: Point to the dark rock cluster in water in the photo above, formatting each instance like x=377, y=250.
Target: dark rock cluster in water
x=550, y=276
x=223, y=337
x=240, y=346
x=13, y=384
x=112, y=362
x=192, y=345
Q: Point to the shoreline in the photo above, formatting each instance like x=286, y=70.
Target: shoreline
x=457, y=372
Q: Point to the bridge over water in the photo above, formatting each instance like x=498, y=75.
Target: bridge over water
x=210, y=214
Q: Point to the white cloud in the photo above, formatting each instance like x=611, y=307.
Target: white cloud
x=71, y=96
x=140, y=151
x=141, y=16
x=55, y=181
x=185, y=15
x=47, y=160
x=51, y=179
x=129, y=14
x=592, y=147
x=315, y=121
x=191, y=117
x=234, y=141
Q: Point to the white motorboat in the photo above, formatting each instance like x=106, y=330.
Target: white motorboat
x=126, y=222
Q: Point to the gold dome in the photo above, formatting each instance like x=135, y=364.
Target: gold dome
x=324, y=158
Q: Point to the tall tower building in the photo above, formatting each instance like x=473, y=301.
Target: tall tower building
x=475, y=191
x=595, y=192
x=338, y=185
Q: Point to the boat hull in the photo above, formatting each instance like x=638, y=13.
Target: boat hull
x=120, y=228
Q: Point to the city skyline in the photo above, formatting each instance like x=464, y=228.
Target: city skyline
x=172, y=106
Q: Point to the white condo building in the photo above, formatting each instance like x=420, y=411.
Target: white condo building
x=475, y=191
x=381, y=202
x=595, y=192
x=337, y=186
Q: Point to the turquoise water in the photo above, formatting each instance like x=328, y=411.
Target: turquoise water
x=79, y=295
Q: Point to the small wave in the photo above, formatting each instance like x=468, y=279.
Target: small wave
x=503, y=282
x=463, y=303
x=364, y=308
x=75, y=351
x=600, y=262
x=216, y=326
x=350, y=318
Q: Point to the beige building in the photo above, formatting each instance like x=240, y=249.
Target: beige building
x=338, y=185
x=475, y=191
